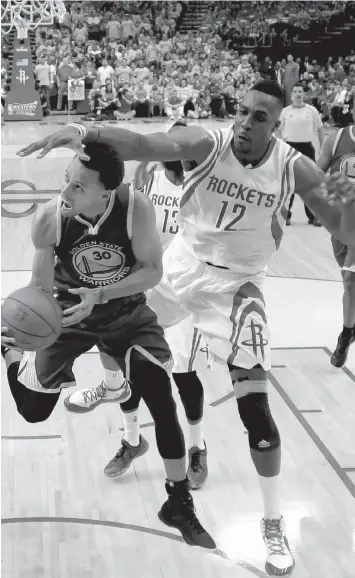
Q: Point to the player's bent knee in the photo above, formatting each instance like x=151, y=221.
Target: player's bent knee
x=256, y=416
x=37, y=407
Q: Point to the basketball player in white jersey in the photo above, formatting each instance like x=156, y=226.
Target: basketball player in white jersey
x=339, y=155
x=231, y=222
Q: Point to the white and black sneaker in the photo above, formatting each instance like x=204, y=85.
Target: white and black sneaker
x=279, y=560
x=88, y=399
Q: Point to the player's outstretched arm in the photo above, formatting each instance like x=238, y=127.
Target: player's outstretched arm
x=183, y=143
x=331, y=199
x=44, y=237
x=147, y=250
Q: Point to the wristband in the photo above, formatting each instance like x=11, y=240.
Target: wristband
x=82, y=129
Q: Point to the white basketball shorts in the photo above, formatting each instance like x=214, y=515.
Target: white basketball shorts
x=226, y=307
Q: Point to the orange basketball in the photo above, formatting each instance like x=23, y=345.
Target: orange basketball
x=33, y=317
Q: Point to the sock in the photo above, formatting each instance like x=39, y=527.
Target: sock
x=196, y=435
x=131, y=427
x=113, y=380
x=347, y=332
x=271, y=495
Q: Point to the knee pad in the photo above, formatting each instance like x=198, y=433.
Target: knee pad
x=256, y=416
x=191, y=394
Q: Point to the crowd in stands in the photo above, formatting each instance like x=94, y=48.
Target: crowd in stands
x=136, y=62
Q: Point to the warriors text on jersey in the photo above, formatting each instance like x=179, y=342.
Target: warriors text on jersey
x=343, y=155
x=96, y=256
x=233, y=216
x=165, y=197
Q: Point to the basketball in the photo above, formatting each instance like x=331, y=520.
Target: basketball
x=33, y=317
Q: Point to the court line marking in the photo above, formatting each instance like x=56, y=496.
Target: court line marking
x=135, y=528
x=311, y=410
x=349, y=469
x=49, y=437
x=314, y=437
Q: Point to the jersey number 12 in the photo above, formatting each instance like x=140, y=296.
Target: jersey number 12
x=237, y=209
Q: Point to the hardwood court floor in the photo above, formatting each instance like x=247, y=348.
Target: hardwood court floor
x=63, y=519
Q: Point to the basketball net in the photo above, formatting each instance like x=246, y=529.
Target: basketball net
x=26, y=15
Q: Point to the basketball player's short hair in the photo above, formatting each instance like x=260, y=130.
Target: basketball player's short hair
x=104, y=160
x=298, y=85
x=272, y=88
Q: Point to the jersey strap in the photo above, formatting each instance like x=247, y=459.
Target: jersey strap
x=336, y=142
x=287, y=188
x=197, y=175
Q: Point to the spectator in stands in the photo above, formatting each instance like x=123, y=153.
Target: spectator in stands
x=63, y=74
x=80, y=32
x=104, y=72
x=174, y=105
x=127, y=27
x=141, y=100
x=337, y=104
x=291, y=76
x=94, y=51
x=42, y=72
x=114, y=28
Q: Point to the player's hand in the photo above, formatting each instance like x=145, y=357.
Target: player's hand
x=68, y=137
x=9, y=341
x=337, y=188
x=89, y=298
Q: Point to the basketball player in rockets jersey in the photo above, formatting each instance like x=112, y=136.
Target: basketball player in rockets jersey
x=339, y=155
x=103, y=236
x=231, y=222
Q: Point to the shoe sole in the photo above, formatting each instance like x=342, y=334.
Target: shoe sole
x=77, y=409
x=139, y=455
x=186, y=538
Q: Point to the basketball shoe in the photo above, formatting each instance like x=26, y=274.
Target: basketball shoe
x=179, y=512
x=88, y=399
x=124, y=457
x=197, y=471
x=340, y=354
x=279, y=560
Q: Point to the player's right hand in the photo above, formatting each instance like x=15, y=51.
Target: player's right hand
x=9, y=341
x=68, y=137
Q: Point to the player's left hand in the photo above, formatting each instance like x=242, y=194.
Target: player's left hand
x=337, y=188
x=89, y=298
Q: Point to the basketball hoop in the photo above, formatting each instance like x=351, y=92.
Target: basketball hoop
x=26, y=15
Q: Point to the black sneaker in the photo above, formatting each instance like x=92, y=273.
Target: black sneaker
x=197, y=471
x=340, y=354
x=179, y=512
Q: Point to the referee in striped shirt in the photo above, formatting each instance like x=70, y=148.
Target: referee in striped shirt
x=299, y=122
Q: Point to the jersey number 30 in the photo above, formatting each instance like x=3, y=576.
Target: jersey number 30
x=239, y=210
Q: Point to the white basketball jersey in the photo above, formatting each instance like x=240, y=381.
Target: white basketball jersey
x=165, y=197
x=233, y=216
